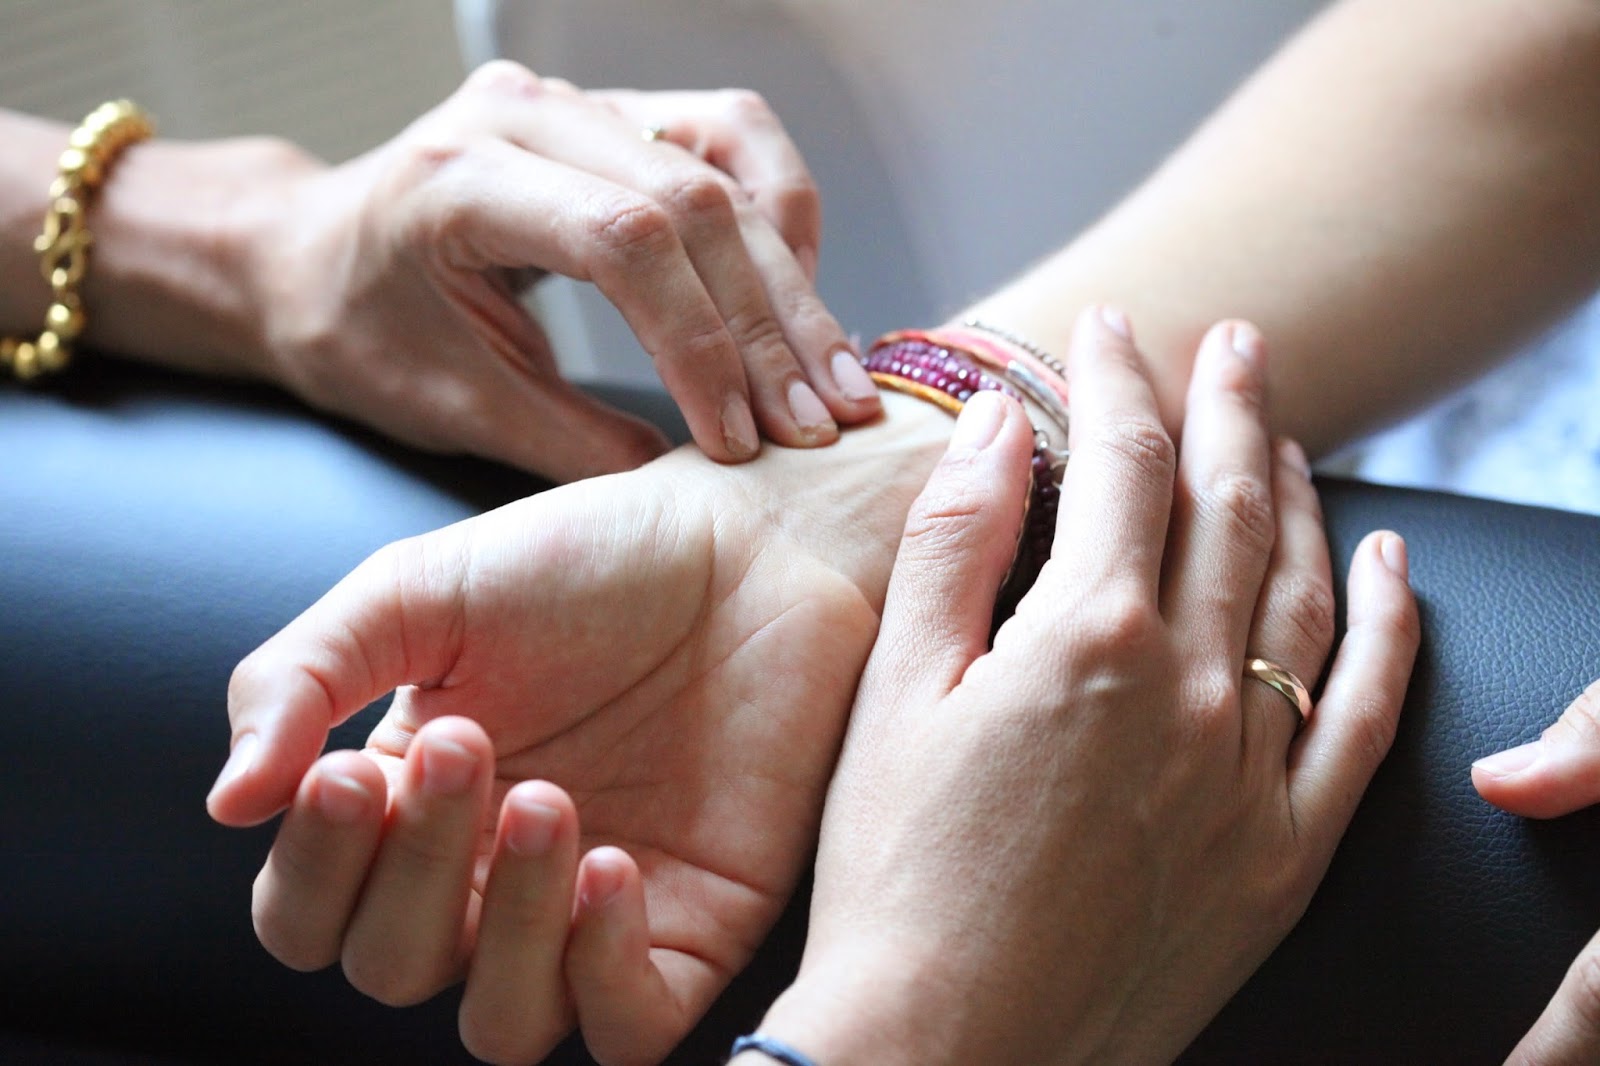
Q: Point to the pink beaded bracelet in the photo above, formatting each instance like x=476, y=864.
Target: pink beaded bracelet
x=945, y=368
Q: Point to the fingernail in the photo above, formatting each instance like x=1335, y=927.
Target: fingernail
x=446, y=766
x=978, y=424
x=1247, y=343
x=851, y=376
x=341, y=798
x=1511, y=761
x=739, y=427
x=1393, y=550
x=240, y=759
x=1117, y=322
x=533, y=829
x=807, y=408
x=602, y=882
x=1294, y=456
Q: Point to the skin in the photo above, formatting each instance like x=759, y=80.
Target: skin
x=668, y=654
x=707, y=242
x=657, y=862
x=1177, y=822
x=1383, y=279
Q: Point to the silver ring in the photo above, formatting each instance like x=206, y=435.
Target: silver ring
x=653, y=133
x=1282, y=682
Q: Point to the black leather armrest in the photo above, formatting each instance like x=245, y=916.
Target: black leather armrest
x=157, y=530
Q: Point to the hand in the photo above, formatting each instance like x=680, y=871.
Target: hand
x=1555, y=775
x=1079, y=844
x=391, y=283
x=674, y=649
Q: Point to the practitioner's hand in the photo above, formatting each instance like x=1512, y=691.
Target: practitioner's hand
x=389, y=285
x=1552, y=776
x=675, y=648
x=1077, y=845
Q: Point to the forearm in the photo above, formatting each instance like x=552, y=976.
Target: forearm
x=174, y=274
x=1399, y=197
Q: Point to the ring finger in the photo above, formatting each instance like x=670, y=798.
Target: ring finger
x=1293, y=625
x=406, y=940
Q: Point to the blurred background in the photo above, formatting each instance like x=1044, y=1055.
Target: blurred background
x=336, y=76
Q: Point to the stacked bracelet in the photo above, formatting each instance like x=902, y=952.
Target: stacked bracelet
x=945, y=367
x=63, y=247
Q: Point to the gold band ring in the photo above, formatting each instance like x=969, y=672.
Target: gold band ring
x=653, y=133
x=1282, y=681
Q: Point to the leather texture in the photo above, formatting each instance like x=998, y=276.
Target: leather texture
x=157, y=529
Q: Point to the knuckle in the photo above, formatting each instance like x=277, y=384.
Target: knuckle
x=1211, y=694
x=1372, y=722
x=760, y=338
x=1582, y=989
x=1307, y=605
x=1582, y=715
x=1119, y=626
x=505, y=77
x=283, y=941
x=708, y=347
x=943, y=525
x=698, y=197
x=1243, y=501
x=746, y=107
x=1141, y=444
x=628, y=229
x=501, y=1040
x=378, y=979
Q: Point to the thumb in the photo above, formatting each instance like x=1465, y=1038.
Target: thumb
x=346, y=650
x=1568, y=1032
x=960, y=538
x=1554, y=775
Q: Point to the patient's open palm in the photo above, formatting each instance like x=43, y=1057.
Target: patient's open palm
x=669, y=657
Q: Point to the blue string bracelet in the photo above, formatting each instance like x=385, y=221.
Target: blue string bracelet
x=776, y=1050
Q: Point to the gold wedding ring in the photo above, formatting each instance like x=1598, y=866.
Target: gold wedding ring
x=653, y=133
x=1282, y=681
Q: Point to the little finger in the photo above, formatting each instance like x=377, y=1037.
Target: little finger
x=628, y=1008
x=1353, y=726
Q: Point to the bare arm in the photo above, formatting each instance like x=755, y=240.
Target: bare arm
x=172, y=280
x=1402, y=194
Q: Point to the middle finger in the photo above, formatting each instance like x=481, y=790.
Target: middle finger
x=1222, y=524
x=406, y=940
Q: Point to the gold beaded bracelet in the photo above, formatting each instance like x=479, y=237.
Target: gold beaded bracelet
x=63, y=247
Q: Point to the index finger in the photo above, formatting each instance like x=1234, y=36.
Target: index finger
x=1116, y=495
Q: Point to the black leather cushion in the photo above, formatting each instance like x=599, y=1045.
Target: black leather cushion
x=157, y=530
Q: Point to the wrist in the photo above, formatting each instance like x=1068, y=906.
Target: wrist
x=177, y=277
x=846, y=503
x=853, y=1012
